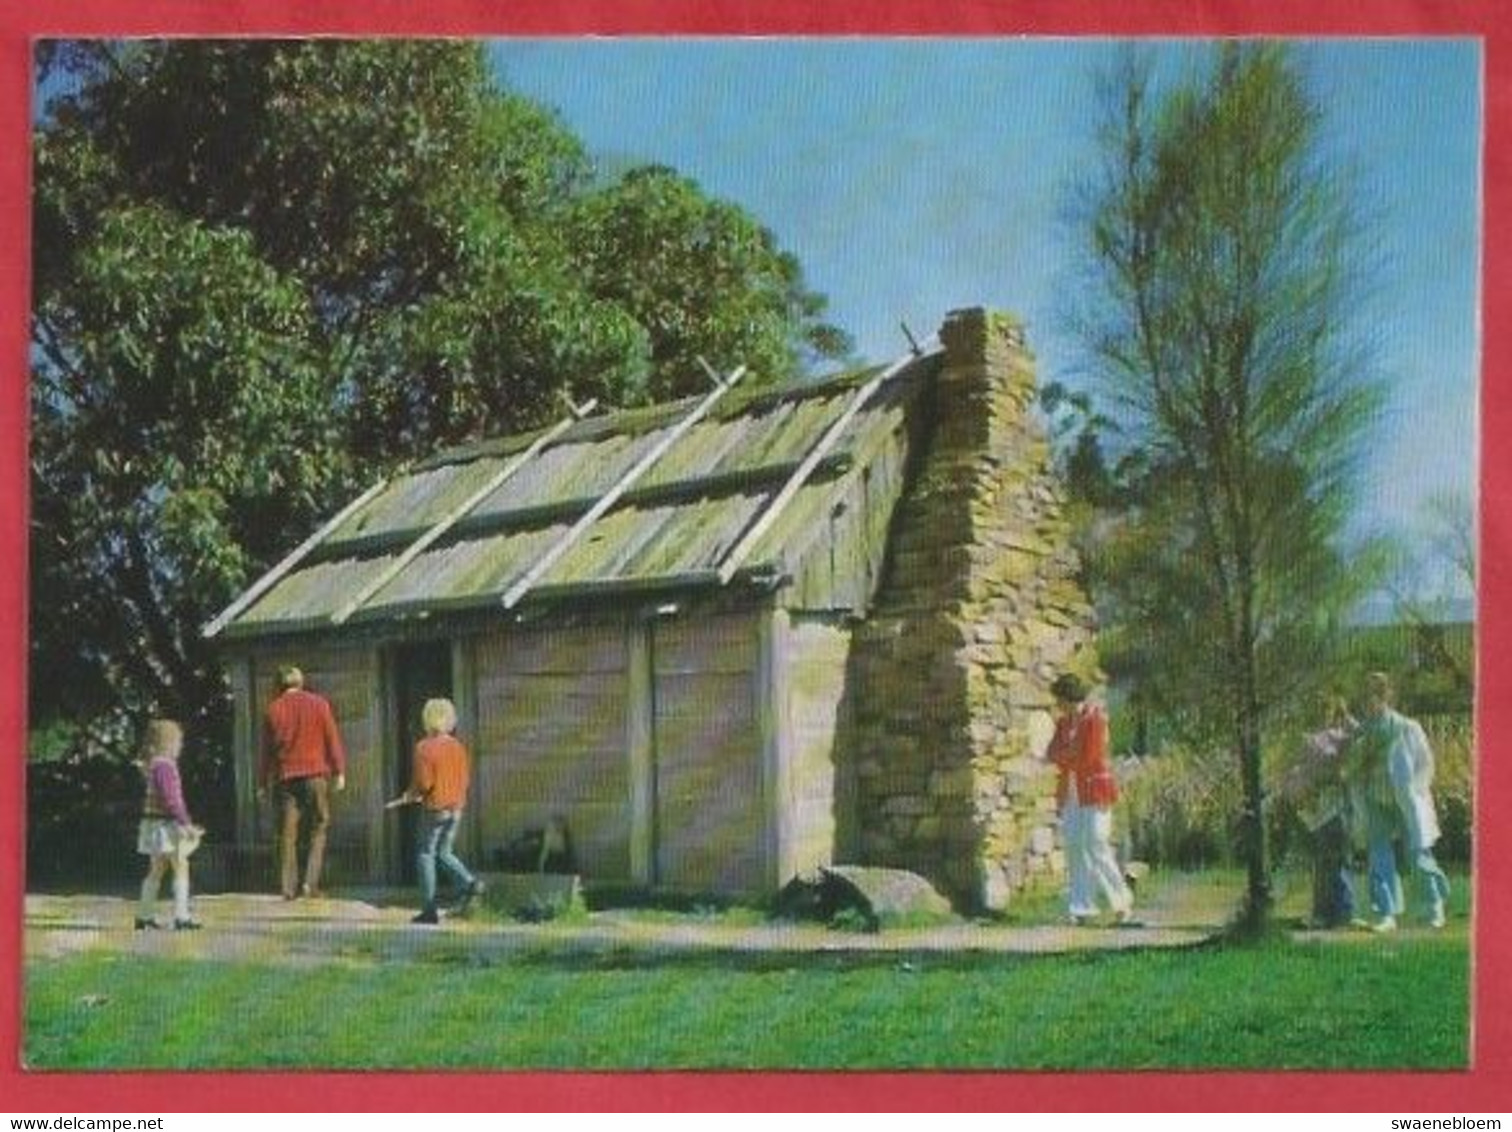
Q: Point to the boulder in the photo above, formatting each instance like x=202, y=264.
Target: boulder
x=874, y=896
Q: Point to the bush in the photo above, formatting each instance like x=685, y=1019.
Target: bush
x=81, y=822
x=1453, y=740
x=1182, y=807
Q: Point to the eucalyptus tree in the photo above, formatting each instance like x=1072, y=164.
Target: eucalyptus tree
x=268, y=271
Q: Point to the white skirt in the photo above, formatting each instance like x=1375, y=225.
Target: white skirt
x=156, y=836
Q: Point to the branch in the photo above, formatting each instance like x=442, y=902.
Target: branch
x=166, y=652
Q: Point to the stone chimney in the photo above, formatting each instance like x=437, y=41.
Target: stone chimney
x=978, y=611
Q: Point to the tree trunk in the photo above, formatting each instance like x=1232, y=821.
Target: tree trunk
x=1258, y=899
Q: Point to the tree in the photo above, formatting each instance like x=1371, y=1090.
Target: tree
x=266, y=272
x=1448, y=530
x=179, y=430
x=703, y=278
x=1432, y=579
x=1224, y=263
x=410, y=199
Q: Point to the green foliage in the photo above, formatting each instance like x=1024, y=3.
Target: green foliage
x=1431, y=664
x=1453, y=742
x=1181, y=808
x=1077, y=436
x=567, y=907
x=178, y=429
x=82, y=819
x=701, y=276
x=267, y=272
x=853, y=919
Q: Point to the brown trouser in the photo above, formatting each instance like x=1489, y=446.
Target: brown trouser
x=309, y=800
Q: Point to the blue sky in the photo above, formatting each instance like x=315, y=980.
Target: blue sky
x=912, y=176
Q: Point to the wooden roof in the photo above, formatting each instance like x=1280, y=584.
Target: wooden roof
x=707, y=491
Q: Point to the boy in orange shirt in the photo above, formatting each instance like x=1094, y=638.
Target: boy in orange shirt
x=439, y=785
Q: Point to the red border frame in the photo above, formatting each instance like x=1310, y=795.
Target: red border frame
x=1485, y=1088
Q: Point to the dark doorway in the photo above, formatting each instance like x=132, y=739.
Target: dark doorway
x=421, y=672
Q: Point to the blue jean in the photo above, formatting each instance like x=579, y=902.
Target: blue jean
x=1386, y=895
x=1385, y=885
x=1434, y=881
x=438, y=832
x=1333, y=898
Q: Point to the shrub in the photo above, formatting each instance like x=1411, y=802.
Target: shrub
x=1182, y=806
x=1453, y=740
x=81, y=822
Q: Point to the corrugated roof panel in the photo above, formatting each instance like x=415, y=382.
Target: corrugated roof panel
x=462, y=571
x=581, y=471
x=783, y=434
x=313, y=592
x=809, y=508
x=541, y=480
x=597, y=555
x=417, y=500
x=602, y=468
x=706, y=446
x=668, y=536
x=694, y=536
x=799, y=517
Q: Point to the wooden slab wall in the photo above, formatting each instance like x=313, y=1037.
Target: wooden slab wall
x=840, y=566
x=816, y=659
x=551, y=707
x=711, y=797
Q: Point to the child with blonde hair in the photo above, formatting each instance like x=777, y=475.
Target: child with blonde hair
x=166, y=835
x=439, y=784
x=1316, y=787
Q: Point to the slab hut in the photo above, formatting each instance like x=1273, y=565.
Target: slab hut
x=727, y=639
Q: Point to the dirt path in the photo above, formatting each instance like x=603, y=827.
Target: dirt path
x=374, y=927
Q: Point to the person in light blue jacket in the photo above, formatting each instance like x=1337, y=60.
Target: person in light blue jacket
x=1390, y=766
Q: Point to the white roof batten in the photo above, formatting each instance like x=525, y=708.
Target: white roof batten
x=461, y=511
x=292, y=559
x=522, y=585
x=736, y=558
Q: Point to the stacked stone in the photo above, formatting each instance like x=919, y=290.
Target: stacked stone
x=977, y=614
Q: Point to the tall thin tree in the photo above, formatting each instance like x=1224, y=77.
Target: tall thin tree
x=1223, y=243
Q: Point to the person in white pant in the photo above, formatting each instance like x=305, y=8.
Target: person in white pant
x=1085, y=792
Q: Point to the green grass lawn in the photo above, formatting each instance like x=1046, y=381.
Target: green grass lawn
x=1355, y=1002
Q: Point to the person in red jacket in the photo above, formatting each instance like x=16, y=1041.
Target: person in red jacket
x=439, y=784
x=1085, y=791
x=303, y=757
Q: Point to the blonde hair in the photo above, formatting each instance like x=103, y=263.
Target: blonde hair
x=163, y=738
x=289, y=676
x=439, y=716
x=1335, y=709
